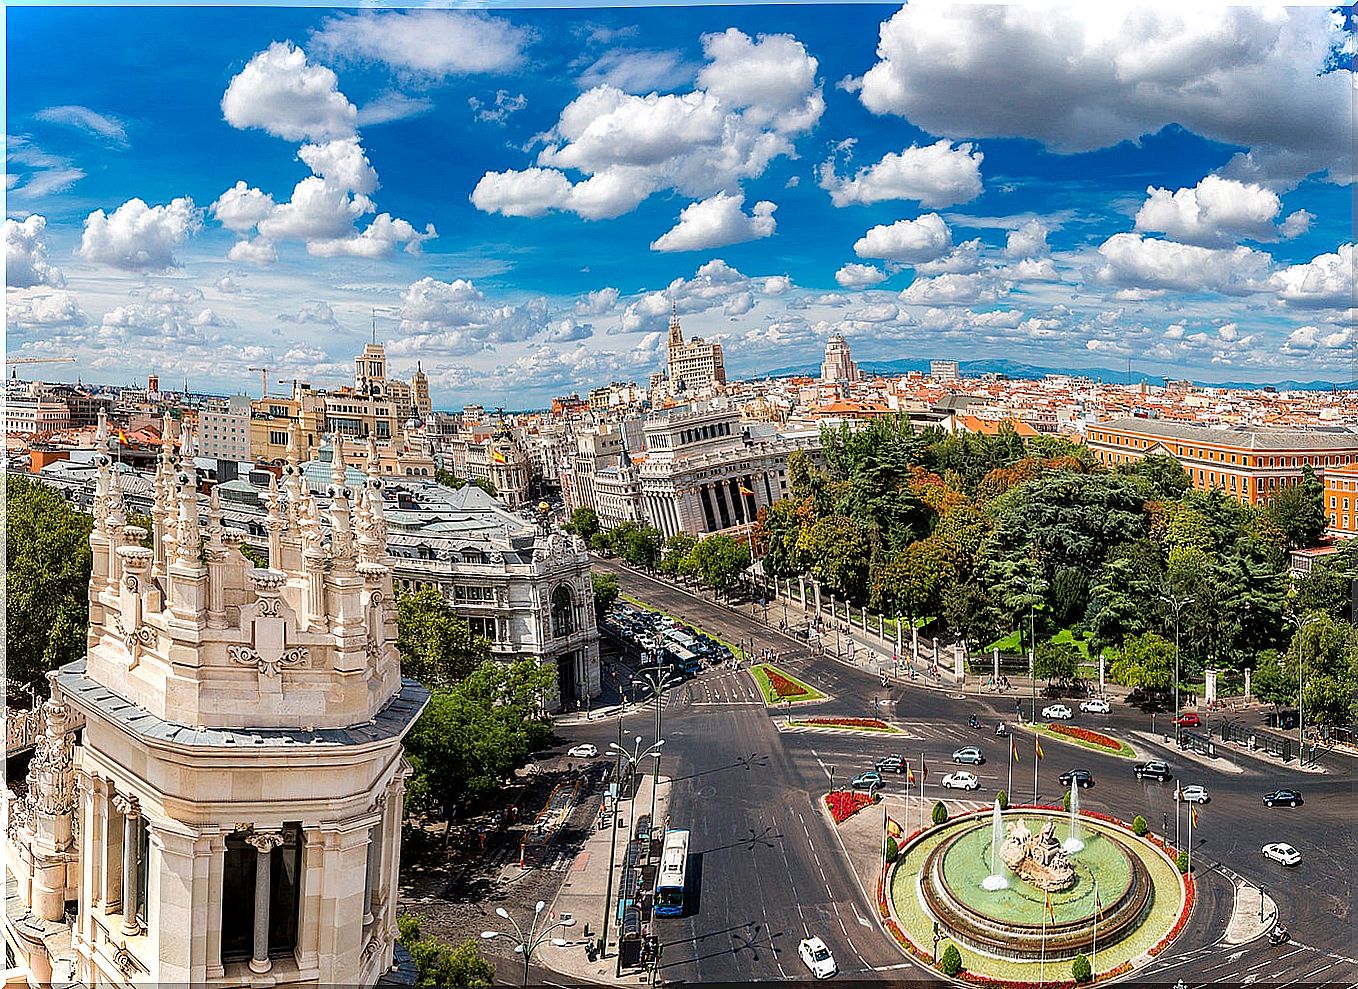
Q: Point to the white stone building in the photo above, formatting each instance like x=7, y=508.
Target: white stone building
x=217, y=799
x=838, y=366
x=223, y=431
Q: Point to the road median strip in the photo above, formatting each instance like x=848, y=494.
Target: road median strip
x=780, y=687
x=1095, y=741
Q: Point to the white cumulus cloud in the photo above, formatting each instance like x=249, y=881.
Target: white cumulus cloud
x=716, y=222
x=859, y=275
x=1216, y=212
x=282, y=93
x=26, y=263
x=1080, y=77
x=140, y=237
x=1028, y=240
x=241, y=207
x=1136, y=262
x=907, y=241
x=1326, y=281
x=936, y=175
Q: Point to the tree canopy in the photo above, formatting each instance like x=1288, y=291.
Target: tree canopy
x=437, y=647
x=47, y=576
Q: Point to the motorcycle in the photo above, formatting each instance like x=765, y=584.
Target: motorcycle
x=974, y=723
x=1001, y=729
x=1277, y=936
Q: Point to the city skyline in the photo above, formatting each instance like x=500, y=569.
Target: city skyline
x=517, y=198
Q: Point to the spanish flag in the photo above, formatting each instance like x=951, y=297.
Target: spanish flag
x=1013, y=749
x=1050, y=912
x=893, y=827
x=746, y=491
x=1195, y=817
x=1038, y=743
x=496, y=457
x=909, y=776
x=122, y=438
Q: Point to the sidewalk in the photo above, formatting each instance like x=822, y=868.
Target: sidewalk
x=582, y=895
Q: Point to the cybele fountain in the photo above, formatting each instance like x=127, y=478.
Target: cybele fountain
x=1073, y=843
x=996, y=880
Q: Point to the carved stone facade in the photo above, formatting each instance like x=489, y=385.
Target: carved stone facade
x=214, y=693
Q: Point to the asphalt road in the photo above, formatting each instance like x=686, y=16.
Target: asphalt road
x=772, y=871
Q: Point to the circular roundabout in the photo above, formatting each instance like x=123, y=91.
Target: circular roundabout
x=1022, y=893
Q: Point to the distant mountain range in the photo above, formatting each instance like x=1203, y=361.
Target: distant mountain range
x=1015, y=369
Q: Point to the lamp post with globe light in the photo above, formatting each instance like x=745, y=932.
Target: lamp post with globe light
x=1177, y=603
x=634, y=759
x=657, y=678
x=1300, y=622
x=527, y=942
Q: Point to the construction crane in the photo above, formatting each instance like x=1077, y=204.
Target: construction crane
x=15, y=361
x=264, y=375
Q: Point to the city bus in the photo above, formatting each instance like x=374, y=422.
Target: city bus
x=669, y=881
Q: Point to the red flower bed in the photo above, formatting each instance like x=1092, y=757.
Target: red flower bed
x=875, y=724
x=782, y=686
x=1085, y=735
x=844, y=804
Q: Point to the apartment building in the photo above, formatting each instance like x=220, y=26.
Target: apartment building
x=223, y=431
x=1247, y=463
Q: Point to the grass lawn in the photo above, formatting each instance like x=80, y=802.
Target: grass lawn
x=1010, y=643
x=1125, y=752
x=772, y=698
x=1067, y=636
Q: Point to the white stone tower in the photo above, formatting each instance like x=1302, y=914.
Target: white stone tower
x=231, y=815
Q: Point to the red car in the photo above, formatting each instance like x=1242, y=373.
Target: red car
x=1189, y=719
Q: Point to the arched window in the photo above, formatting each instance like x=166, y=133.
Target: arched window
x=563, y=611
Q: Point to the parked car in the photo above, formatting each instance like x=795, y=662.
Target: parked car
x=961, y=780
x=968, y=754
x=1282, y=853
x=1292, y=798
x=1096, y=706
x=1057, y=712
x=1153, y=769
x=816, y=956
x=868, y=780
x=1188, y=719
x=1194, y=794
x=585, y=751
x=890, y=764
x=1082, y=778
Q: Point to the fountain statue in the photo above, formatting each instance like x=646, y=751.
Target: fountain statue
x=996, y=880
x=1073, y=842
x=1037, y=858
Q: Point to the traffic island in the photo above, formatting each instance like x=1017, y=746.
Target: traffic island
x=780, y=687
x=872, y=726
x=1016, y=908
x=1086, y=738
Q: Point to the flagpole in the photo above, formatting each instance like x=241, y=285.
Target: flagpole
x=1009, y=790
x=884, y=842
x=1094, y=951
x=1190, y=843
x=1042, y=964
x=1037, y=758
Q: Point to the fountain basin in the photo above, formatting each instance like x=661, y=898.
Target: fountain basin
x=1008, y=923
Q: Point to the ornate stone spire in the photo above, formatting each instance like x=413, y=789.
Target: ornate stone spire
x=187, y=529
x=292, y=478
x=273, y=523
x=341, y=523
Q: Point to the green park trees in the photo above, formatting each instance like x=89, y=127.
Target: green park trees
x=1299, y=510
x=606, y=591
x=437, y=647
x=47, y=575
x=1145, y=661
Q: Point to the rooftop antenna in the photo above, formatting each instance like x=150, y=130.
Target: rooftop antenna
x=374, y=324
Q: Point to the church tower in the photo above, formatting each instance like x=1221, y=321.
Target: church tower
x=230, y=811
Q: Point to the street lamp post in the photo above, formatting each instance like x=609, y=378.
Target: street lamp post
x=657, y=679
x=634, y=759
x=1177, y=603
x=1300, y=622
x=527, y=942
x=612, y=847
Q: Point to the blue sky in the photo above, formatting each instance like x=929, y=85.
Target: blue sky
x=522, y=194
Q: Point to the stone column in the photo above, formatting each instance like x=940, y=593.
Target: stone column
x=1210, y=691
x=995, y=666
x=370, y=886
x=898, y=637
x=1104, y=686
x=130, y=808
x=914, y=643
x=264, y=843
x=212, y=926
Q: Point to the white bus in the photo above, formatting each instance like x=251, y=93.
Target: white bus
x=669, y=882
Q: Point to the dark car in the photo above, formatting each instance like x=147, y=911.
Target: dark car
x=1291, y=798
x=890, y=764
x=1081, y=777
x=1154, y=770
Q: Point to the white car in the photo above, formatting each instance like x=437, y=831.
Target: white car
x=961, y=780
x=1194, y=794
x=585, y=751
x=1282, y=853
x=1096, y=706
x=1056, y=712
x=817, y=957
